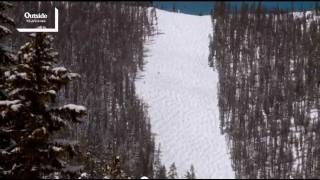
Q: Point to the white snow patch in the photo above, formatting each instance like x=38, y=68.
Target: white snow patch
x=84, y=175
x=16, y=107
x=45, y=67
x=12, y=77
x=27, y=56
x=21, y=75
x=56, y=70
x=181, y=90
x=57, y=149
x=53, y=77
x=56, y=175
x=314, y=113
x=8, y=102
x=53, y=92
x=73, y=75
x=54, y=54
x=309, y=15
x=5, y=29
x=74, y=107
x=15, y=150
x=7, y=73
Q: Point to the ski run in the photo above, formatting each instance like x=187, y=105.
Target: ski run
x=181, y=92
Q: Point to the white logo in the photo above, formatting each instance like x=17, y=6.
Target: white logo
x=36, y=16
x=40, y=18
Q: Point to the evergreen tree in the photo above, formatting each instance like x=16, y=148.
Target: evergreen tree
x=6, y=59
x=108, y=55
x=159, y=170
x=157, y=163
x=114, y=171
x=172, y=173
x=6, y=56
x=190, y=174
x=162, y=173
x=29, y=116
x=259, y=54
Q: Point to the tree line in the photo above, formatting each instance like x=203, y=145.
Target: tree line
x=110, y=135
x=103, y=43
x=269, y=70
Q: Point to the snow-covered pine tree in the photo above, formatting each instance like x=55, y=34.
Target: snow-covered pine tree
x=162, y=173
x=29, y=116
x=191, y=174
x=172, y=173
x=156, y=163
x=6, y=57
x=188, y=175
x=159, y=170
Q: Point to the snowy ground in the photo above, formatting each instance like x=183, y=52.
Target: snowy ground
x=181, y=90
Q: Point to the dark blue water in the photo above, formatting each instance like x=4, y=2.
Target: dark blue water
x=204, y=7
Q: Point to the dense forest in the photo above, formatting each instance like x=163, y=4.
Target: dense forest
x=102, y=43
x=68, y=103
x=269, y=70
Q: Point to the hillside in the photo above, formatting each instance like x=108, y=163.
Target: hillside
x=180, y=89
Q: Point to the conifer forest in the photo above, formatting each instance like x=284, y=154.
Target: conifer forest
x=268, y=65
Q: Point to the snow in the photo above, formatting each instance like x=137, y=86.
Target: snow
x=21, y=75
x=56, y=175
x=12, y=77
x=84, y=175
x=53, y=77
x=7, y=73
x=74, y=107
x=45, y=67
x=53, y=92
x=314, y=114
x=5, y=29
x=181, y=91
x=39, y=131
x=23, y=47
x=57, y=70
x=15, y=150
x=33, y=35
x=8, y=102
x=17, y=90
x=310, y=16
x=57, y=149
x=27, y=56
x=73, y=75
x=16, y=107
x=54, y=54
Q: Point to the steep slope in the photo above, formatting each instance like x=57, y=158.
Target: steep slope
x=181, y=90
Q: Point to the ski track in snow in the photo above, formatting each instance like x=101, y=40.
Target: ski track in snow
x=181, y=91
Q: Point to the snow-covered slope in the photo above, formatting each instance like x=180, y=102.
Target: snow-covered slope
x=181, y=90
